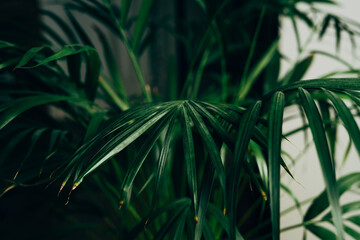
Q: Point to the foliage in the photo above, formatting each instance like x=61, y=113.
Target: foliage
x=201, y=162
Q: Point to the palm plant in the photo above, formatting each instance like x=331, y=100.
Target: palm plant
x=201, y=162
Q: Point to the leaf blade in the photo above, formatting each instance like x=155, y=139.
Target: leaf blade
x=275, y=135
x=325, y=159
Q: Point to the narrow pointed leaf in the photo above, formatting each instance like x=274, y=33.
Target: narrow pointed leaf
x=321, y=202
x=182, y=203
x=174, y=217
x=64, y=52
x=352, y=232
x=92, y=74
x=34, y=139
x=179, y=232
x=93, y=126
x=347, y=118
x=321, y=144
x=12, y=143
x=216, y=125
x=163, y=157
x=141, y=22
x=261, y=163
x=321, y=232
x=354, y=219
x=9, y=62
x=245, y=131
x=330, y=83
x=137, y=163
x=206, y=187
x=298, y=71
x=11, y=110
x=30, y=54
x=223, y=220
x=275, y=135
x=249, y=81
x=120, y=145
x=209, y=143
x=189, y=154
x=124, y=10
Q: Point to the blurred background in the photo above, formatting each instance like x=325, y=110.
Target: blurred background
x=166, y=53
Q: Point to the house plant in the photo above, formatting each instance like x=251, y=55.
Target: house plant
x=203, y=162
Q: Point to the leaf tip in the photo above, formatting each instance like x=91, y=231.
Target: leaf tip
x=61, y=188
x=16, y=174
x=75, y=186
x=121, y=204
x=263, y=194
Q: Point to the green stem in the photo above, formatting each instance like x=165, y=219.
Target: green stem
x=116, y=99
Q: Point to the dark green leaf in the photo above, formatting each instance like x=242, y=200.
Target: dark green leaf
x=347, y=118
x=206, y=187
x=30, y=54
x=325, y=25
x=298, y=71
x=117, y=144
x=141, y=22
x=245, y=131
x=125, y=7
x=64, y=52
x=275, y=135
x=209, y=143
x=92, y=74
x=321, y=202
x=189, y=153
x=326, y=162
x=321, y=232
x=11, y=110
x=161, y=163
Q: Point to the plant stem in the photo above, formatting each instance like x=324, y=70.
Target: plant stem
x=116, y=99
